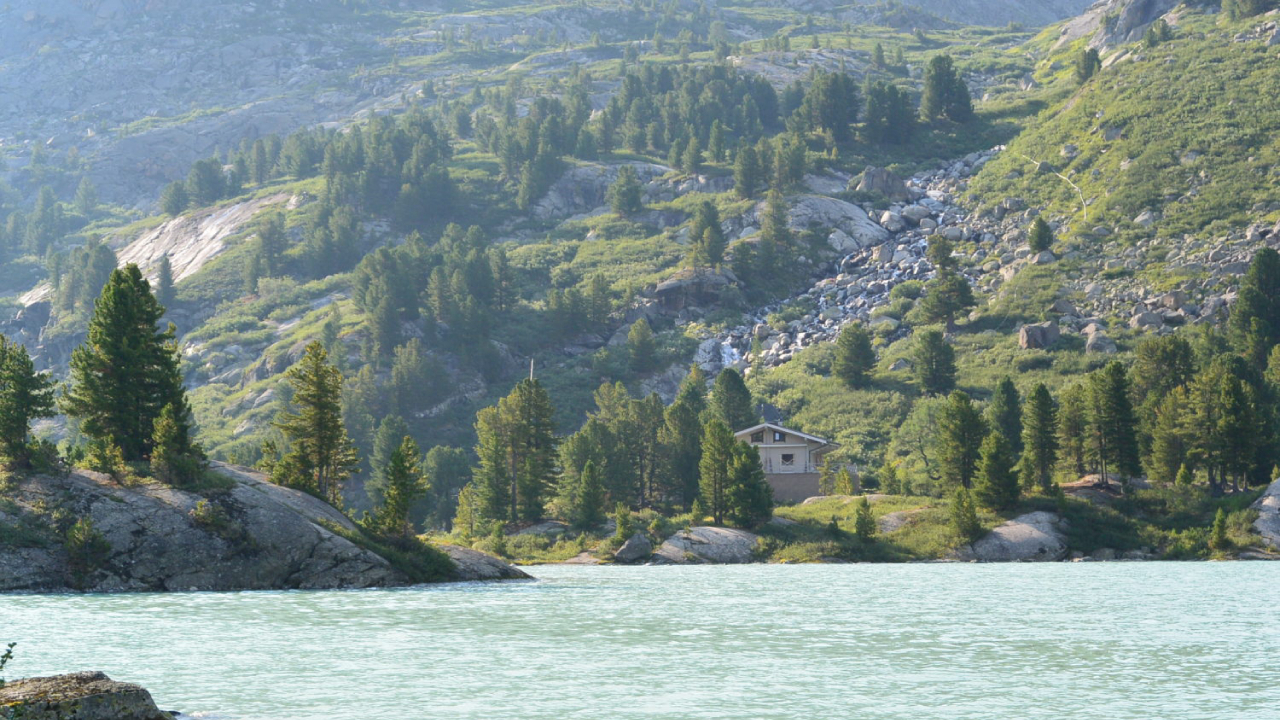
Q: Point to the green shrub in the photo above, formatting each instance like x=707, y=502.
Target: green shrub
x=87, y=549
x=210, y=516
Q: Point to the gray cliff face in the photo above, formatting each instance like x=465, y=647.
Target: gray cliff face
x=251, y=536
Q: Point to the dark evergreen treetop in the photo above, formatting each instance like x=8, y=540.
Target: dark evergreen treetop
x=731, y=401
x=126, y=371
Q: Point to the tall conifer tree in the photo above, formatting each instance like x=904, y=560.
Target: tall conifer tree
x=126, y=371
x=320, y=457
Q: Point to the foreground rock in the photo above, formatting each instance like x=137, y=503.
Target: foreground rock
x=708, y=545
x=1034, y=537
x=78, y=696
x=248, y=535
x=1268, y=522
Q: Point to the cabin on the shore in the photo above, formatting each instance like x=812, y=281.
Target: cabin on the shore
x=792, y=460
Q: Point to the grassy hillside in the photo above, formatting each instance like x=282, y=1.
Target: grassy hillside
x=1188, y=129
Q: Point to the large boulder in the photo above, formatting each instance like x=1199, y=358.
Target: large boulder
x=1038, y=336
x=1034, y=537
x=1099, y=343
x=78, y=696
x=883, y=182
x=708, y=545
x=1268, y=522
x=245, y=534
x=827, y=213
x=636, y=548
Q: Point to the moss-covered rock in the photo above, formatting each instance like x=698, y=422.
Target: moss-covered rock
x=78, y=696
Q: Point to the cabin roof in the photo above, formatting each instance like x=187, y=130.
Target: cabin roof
x=780, y=428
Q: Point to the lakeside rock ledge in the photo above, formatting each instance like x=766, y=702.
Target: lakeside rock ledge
x=78, y=696
x=248, y=535
x=1033, y=537
x=708, y=545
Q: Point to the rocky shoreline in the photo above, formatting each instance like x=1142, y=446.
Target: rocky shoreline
x=1040, y=536
x=244, y=534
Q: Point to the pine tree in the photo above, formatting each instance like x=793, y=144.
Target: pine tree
x=1088, y=63
x=996, y=484
x=890, y=117
x=945, y=93
x=774, y=231
x=877, y=56
x=86, y=197
x=625, y=193
x=175, y=460
x=589, y=500
x=516, y=444
x=388, y=437
x=731, y=401
x=599, y=300
x=706, y=237
x=746, y=173
x=961, y=430
x=844, y=482
x=25, y=395
x=964, y=516
x=681, y=436
x=1169, y=442
x=691, y=160
x=748, y=498
x=164, y=283
x=716, y=142
x=1041, y=236
x=864, y=523
x=529, y=188
x=1004, y=413
x=1112, y=424
x=321, y=456
x=1255, y=317
x=715, y=468
x=254, y=270
x=854, y=358
x=946, y=296
x=174, y=199
x=405, y=485
x=934, y=363
x=1039, y=439
x=1073, y=428
x=641, y=347
x=126, y=371
x=1218, y=533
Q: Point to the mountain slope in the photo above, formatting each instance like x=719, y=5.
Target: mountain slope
x=1187, y=132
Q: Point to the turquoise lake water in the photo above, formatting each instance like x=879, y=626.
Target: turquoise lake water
x=1142, y=641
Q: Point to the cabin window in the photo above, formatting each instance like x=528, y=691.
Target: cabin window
x=757, y=437
x=788, y=459
x=779, y=437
